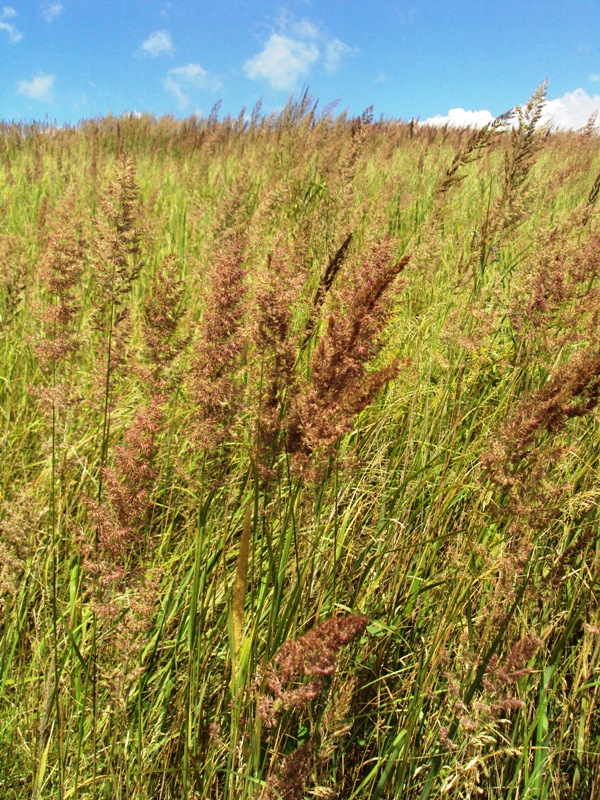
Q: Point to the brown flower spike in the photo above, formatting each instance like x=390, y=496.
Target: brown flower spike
x=312, y=655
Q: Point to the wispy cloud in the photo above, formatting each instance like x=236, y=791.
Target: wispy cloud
x=165, y=11
x=302, y=28
x=50, y=11
x=39, y=88
x=292, y=50
x=593, y=77
x=335, y=50
x=159, y=43
x=8, y=13
x=184, y=82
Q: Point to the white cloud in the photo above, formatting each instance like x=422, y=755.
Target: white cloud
x=184, y=81
x=50, y=11
x=292, y=50
x=39, y=88
x=159, y=43
x=569, y=112
x=282, y=61
x=593, y=77
x=7, y=13
x=460, y=118
x=572, y=110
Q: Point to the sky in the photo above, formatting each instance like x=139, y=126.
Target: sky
x=462, y=62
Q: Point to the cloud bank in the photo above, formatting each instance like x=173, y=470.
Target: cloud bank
x=460, y=118
x=572, y=110
x=569, y=112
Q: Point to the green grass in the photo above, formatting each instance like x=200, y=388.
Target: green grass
x=135, y=672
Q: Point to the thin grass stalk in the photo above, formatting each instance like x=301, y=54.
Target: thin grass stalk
x=325, y=283
x=474, y=687
x=294, y=526
x=192, y=639
x=239, y=589
x=103, y=458
x=105, y=437
x=55, y=557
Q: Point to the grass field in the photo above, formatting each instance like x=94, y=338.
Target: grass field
x=299, y=447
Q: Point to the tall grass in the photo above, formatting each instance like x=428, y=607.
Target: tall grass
x=299, y=459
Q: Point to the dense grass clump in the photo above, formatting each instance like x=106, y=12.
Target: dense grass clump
x=299, y=459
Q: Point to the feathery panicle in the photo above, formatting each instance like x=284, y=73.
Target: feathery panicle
x=21, y=525
x=311, y=655
x=475, y=148
x=117, y=242
x=589, y=129
x=277, y=294
x=556, y=302
x=163, y=312
x=526, y=141
x=559, y=294
x=294, y=772
x=62, y=268
x=216, y=352
x=122, y=518
x=14, y=274
x=340, y=386
x=514, y=201
x=122, y=584
x=117, y=261
x=573, y=390
x=314, y=652
x=347, y=169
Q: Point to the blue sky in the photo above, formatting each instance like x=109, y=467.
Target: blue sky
x=469, y=60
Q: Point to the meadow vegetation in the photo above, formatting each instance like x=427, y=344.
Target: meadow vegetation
x=299, y=457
